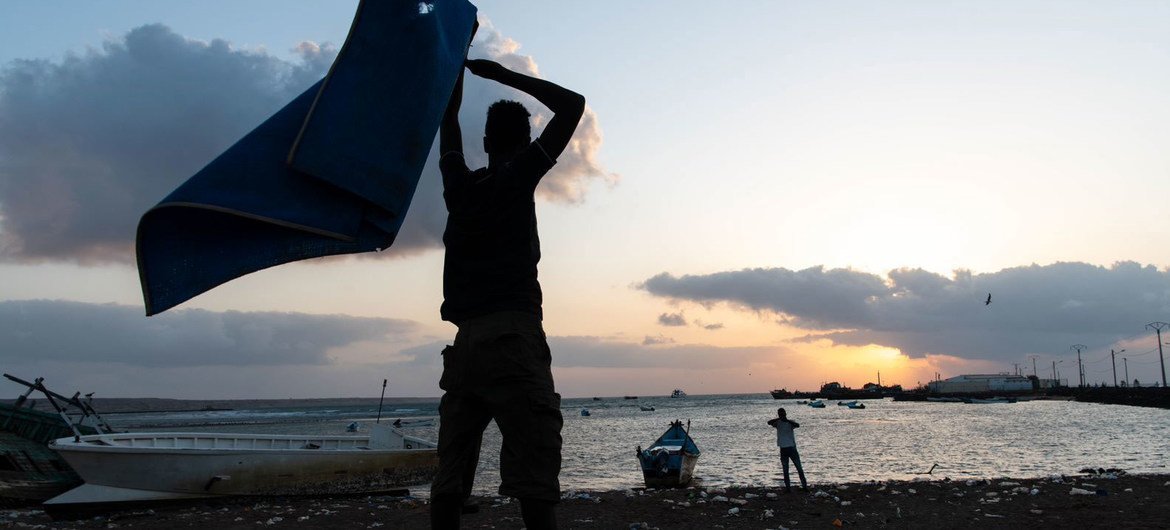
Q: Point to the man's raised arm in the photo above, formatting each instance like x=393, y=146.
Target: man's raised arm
x=567, y=106
x=450, y=134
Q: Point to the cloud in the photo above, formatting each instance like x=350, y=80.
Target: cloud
x=90, y=143
x=1035, y=309
x=600, y=352
x=63, y=331
x=672, y=319
x=655, y=340
x=712, y=327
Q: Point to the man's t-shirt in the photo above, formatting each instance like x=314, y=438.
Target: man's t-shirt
x=491, y=239
x=785, y=437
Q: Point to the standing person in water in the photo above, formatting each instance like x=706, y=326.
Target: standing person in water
x=499, y=365
x=786, y=440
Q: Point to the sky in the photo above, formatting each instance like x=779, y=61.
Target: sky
x=761, y=195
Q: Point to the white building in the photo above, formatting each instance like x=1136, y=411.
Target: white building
x=981, y=383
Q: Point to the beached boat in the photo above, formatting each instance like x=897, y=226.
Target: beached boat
x=816, y=404
x=132, y=467
x=669, y=462
x=678, y=393
x=30, y=472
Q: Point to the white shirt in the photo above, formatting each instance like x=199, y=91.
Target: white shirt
x=784, y=435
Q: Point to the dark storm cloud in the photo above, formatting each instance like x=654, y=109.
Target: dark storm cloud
x=53, y=330
x=672, y=319
x=1035, y=309
x=88, y=144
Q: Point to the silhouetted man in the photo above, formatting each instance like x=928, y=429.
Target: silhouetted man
x=786, y=440
x=499, y=366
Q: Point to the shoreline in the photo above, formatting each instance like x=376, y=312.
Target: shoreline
x=1084, y=500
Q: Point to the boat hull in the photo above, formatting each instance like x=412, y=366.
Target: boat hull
x=304, y=466
x=673, y=476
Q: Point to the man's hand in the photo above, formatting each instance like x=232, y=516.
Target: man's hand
x=485, y=68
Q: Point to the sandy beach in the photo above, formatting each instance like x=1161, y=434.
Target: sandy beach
x=1082, y=501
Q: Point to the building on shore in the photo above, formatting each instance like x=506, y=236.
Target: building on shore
x=976, y=383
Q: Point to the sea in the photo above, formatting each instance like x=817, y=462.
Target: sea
x=886, y=440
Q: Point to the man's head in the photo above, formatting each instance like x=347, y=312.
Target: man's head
x=507, y=129
x=780, y=412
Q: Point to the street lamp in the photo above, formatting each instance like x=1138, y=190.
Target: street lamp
x=1113, y=357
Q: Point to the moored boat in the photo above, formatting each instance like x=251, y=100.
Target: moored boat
x=646, y=408
x=129, y=467
x=816, y=404
x=678, y=393
x=669, y=462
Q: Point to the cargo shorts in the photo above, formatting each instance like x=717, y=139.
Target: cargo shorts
x=500, y=368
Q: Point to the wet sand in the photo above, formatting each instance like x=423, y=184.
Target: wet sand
x=1104, y=501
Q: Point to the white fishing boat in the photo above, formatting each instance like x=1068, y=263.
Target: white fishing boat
x=131, y=467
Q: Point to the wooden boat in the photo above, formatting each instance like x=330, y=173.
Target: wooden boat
x=669, y=462
x=646, y=408
x=816, y=404
x=989, y=400
x=30, y=472
x=135, y=467
x=855, y=405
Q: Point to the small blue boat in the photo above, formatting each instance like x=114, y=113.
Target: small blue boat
x=816, y=404
x=670, y=461
x=584, y=412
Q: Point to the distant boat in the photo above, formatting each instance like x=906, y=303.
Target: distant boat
x=678, y=393
x=802, y=402
x=630, y=397
x=646, y=408
x=585, y=412
x=816, y=404
x=944, y=400
x=132, y=467
x=855, y=405
x=669, y=462
x=596, y=399
x=781, y=393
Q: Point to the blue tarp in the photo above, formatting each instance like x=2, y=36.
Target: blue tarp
x=333, y=172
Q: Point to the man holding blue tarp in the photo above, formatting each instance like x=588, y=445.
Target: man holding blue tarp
x=500, y=364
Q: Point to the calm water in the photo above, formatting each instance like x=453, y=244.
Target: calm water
x=887, y=440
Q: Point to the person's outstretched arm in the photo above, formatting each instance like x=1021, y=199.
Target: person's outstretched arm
x=567, y=106
x=451, y=136
x=794, y=424
x=773, y=421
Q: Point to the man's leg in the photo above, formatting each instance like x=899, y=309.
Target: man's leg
x=528, y=413
x=799, y=469
x=462, y=421
x=784, y=464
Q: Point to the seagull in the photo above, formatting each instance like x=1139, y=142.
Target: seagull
x=988, y=302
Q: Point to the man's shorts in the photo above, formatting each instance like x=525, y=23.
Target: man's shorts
x=500, y=368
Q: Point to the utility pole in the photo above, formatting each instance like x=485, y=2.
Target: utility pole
x=1080, y=366
x=1125, y=361
x=1054, y=373
x=1034, y=368
x=1112, y=355
x=1157, y=326
x=1017, y=368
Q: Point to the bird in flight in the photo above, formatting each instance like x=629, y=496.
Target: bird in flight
x=988, y=302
